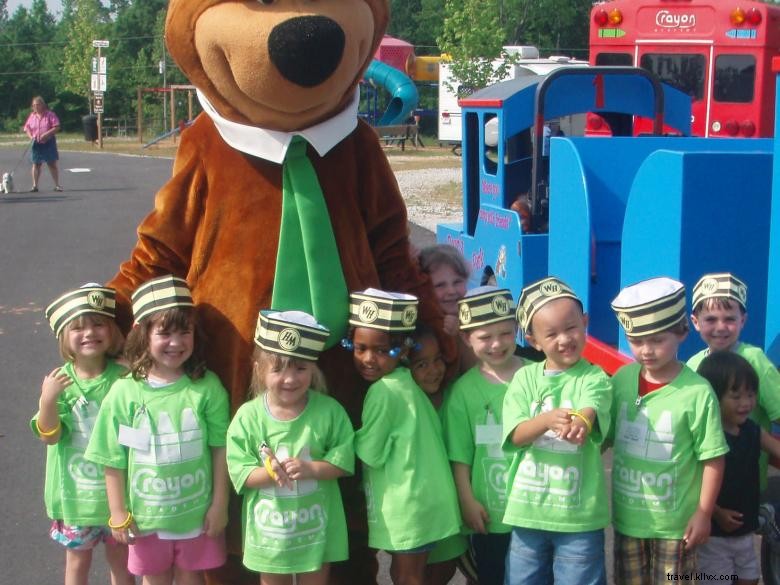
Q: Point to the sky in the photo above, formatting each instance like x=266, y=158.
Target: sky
x=54, y=5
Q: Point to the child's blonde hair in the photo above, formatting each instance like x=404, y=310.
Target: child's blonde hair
x=432, y=257
x=114, y=346
x=264, y=361
x=174, y=319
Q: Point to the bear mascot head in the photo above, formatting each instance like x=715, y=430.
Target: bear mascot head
x=277, y=77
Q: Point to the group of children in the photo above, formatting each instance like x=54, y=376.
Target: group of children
x=503, y=467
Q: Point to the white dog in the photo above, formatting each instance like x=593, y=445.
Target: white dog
x=7, y=186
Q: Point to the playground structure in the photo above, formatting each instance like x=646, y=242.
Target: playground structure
x=396, y=69
x=619, y=209
x=175, y=125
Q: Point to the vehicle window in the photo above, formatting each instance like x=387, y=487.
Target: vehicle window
x=735, y=77
x=613, y=59
x=683, y=71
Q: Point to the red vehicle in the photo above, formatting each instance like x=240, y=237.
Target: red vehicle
x=717, y=51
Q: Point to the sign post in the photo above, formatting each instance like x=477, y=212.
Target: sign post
x=99, y=84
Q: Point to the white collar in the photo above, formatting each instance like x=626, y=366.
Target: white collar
x=272, y=145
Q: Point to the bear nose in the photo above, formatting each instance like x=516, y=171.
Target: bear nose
x=306, y=50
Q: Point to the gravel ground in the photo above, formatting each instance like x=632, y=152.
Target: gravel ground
x=427, y=205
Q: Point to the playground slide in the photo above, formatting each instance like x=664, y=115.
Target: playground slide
x=400, y=86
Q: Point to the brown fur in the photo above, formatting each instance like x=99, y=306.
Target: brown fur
x=216, y=222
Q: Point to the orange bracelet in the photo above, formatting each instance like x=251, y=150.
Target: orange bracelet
x=585, y=419
x=50, y=433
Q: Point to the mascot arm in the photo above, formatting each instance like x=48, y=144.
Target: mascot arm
x=166, y=235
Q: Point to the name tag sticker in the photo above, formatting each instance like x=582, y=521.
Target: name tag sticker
x=138, y=439
x=632, y=432
x=488, y=435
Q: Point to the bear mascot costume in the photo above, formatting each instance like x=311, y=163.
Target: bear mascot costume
x=280, y=197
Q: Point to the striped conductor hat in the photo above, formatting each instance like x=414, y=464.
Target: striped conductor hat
x=650, y=306
x=536, y=295
x=485, y=305
x=723, y=285
x=89, y=298
x=290, y=333
x=386, y=311
x=159, y=294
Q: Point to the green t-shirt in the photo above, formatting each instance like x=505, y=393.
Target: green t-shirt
x=472, y=433
x=292, y=530
x=553, y=484
x=768, y=407
x=75, y=489
x=659, y=447
x=162, y=437
x=410, y=493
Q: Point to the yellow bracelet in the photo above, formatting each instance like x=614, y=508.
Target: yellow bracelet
x=126, y=524
x=50, y=433
x=269, y=468
x=585, y=419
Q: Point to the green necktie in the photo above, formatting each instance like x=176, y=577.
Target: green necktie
x=308, y=267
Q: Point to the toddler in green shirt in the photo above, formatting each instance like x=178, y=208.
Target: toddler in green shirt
x=472, y=425
x=286, y=448
x=556, y=414
x=410, y=494
x=668, y=441
x=75, y=493
x=719, y=312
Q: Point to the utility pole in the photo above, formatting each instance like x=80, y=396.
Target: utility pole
x=99, y=84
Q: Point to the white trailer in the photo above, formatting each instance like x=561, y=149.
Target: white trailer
x=529, y=63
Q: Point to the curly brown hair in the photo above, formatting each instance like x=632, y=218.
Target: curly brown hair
x=174, y=319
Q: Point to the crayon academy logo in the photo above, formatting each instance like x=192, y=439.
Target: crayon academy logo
x=671, y=20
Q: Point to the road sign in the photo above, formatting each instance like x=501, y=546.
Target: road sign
x=98, y=82
x=98, y=104
x=94, y=65
x=101, y=44
x=103, y=66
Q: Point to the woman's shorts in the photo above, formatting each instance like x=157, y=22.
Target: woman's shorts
x=44, y=152
x=79, y=537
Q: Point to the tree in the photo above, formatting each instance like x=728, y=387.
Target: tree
x=473, y=38
x=88, y=23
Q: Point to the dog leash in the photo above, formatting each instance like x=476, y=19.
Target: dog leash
x=26, y=148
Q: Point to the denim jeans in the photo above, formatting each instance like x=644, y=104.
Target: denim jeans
x=542, y=557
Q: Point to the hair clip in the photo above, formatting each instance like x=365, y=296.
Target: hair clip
x=395, y=352
x=347, y=344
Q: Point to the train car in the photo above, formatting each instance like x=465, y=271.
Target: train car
x=615, y=210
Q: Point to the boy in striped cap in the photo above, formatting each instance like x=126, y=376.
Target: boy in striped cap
x=668, y=440
x=556, y=414
x=286, y=449
x=410, y=493
x=472, y=425
x=719, y=313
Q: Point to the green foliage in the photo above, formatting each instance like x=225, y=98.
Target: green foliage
x=476, y=30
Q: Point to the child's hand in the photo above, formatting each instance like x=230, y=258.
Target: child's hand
x=475, y=516
x=123, y=535
x=558, y=420
x=728, y=520
x=277, y=472
x=298, y=469
x=698, y=530
x=53, y=384
x=215, y=521
x=577, y=431
x=451, y=325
